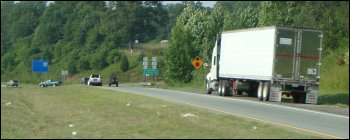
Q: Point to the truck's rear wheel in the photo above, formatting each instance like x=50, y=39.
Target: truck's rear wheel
x=266, y=91
x=260, y=90
x=298, y=97
x=302, y=98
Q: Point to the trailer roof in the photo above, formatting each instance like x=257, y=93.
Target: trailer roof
x=268, y=27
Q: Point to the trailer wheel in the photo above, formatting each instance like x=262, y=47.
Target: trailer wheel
x=302, y=97
x=260, y=90
x=295, y=96
x=266, y=91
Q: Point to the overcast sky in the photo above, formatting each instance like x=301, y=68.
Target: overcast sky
x=205, y=3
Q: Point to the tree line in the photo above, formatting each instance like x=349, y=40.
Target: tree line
x=78, y=35
x=84, y=35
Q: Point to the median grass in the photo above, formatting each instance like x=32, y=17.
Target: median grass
x=33, y=112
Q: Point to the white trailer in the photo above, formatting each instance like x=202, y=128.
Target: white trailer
x=267, y=63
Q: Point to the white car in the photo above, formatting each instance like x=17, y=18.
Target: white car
x=95, y=79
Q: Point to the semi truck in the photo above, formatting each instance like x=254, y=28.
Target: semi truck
x=267, y=63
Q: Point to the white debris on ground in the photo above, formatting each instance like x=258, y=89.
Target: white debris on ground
x=164, y=105
x=74, y=133
x=9, y=103
x=71, y=125
x=188, y=115
x=254, y=127
x=158, y=113
x=128, y=104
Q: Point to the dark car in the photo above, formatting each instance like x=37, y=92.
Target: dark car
x=47, y=83
x=113, y=80
x=12, y=83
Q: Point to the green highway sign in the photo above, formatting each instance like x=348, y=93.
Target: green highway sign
x=150, y=71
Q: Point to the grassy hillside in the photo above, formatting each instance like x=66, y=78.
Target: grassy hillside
x=33, y=112
x=152, y=49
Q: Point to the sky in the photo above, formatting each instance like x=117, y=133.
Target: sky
x=205, y=3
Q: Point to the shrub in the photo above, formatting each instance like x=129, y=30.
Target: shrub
x=124, y=66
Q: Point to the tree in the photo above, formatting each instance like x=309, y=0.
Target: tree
x=193, y=35
x=124, y=66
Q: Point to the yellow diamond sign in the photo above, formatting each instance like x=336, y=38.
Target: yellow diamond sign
x=197, y=62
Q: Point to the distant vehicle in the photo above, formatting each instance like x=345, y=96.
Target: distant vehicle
x=12, y=83
x=164, y=41
x=113, y=80
x=49, y=83
x=84, y=80
x=95, y=79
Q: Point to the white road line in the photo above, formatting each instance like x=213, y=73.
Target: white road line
x=306, y=110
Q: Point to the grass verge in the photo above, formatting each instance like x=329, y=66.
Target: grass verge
x=34, y=112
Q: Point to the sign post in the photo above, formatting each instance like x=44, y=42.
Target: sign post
x=154, y=66
x=64, y=73
x=197, y=63
x=145, y=66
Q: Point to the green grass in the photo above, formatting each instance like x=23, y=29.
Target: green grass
x=334, y=81
x=37, y=112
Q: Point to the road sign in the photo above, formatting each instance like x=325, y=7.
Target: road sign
x=154, y=67
x=145, y=59
x=64, y=72
x=145, y=63
x=40, y=65
x=150, y=72
x=197, y=62
x=154, y=59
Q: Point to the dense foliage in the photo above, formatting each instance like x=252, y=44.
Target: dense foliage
x=76, y=35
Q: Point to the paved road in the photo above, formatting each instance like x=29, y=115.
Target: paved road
x=319, y=123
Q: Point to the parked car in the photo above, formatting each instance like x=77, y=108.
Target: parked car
x=49, y=83
x=84, y=80
x=95, y=79
x=12, y=83
x=113, y=80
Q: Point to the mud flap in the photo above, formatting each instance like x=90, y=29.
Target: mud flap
x=275, y=93
x=311, y=95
